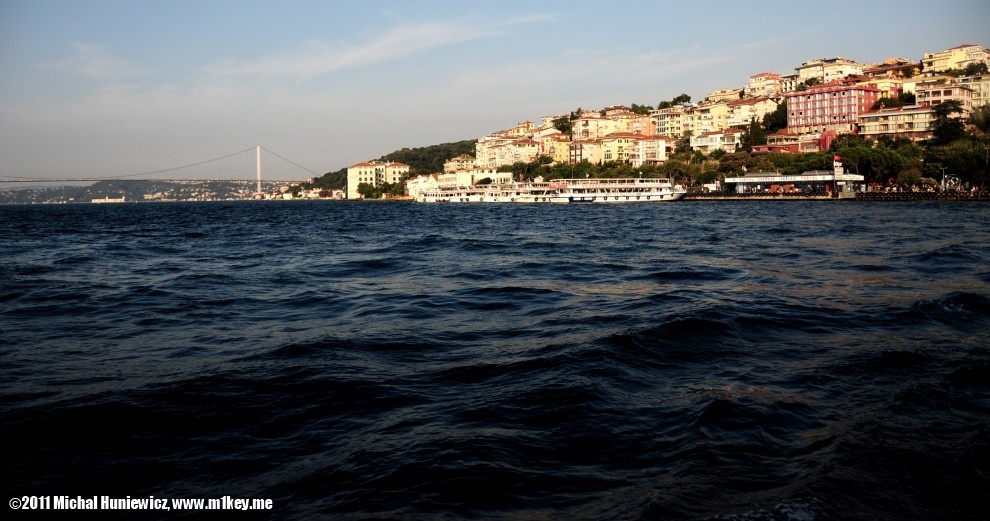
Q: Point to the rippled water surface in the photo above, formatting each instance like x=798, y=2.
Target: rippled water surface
x=692, y=360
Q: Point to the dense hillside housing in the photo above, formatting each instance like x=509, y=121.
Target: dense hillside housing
x=825, y=98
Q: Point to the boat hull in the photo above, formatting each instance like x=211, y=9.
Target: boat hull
x=564, y=191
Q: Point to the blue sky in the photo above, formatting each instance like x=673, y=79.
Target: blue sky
x=113, y=88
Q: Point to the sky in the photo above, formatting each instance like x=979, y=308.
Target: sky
x=118, y=88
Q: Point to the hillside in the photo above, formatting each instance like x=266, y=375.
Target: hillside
x=430, y=159
x=422, y=160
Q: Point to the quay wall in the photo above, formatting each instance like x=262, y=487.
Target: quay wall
x=844, y=196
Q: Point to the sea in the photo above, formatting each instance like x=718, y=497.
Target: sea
x=706, y=360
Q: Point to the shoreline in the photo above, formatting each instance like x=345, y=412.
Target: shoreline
x=982, y=196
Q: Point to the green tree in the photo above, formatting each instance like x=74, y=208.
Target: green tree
x=640, y=109
x=776, y=120
x=980, y=118
x=947, y=126
x=755, y=135
x=563, y=124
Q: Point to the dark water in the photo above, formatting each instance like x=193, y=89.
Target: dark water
x=706, y=360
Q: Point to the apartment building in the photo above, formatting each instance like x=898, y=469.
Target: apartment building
x=955, y=58
x=649, y=150
x=763, y=85
x=728, y=140
x=830, y=107
x=592, y=125
x=893, y=68
x=671, y=121
x=787, y=142
x=585, y=150
x=724, y=95
x=461, y=162
x=827, y=70
x=890, y=87
x=471, y=176
x=913, y=122
x=705, y=117
x=743, y=112
x=980, y=85
x=374, y=173
x=940, y=89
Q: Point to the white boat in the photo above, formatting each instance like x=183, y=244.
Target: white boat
x=109, y=200
x=598, y=190
x=617, y=190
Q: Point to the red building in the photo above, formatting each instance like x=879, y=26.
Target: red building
x=833, y=107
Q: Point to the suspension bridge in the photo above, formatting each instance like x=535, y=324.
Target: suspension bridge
x=236, y=166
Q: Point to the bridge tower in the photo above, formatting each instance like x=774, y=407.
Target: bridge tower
x=257, y=152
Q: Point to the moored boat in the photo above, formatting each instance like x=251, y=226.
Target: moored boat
x=596, y=190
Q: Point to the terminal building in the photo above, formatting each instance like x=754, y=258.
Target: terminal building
x=833, y=182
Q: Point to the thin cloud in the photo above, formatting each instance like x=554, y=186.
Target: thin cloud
x=94, y=61
x=404, y=40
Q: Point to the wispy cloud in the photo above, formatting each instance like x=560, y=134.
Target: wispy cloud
x=403, y=40
x=94, y=61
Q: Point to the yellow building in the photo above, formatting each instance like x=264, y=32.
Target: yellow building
x=913, y=122
x=955, y=58
x=724, y=95
x=671, y=121
x=827, y=70
x=374, y=173
x=461, y=162
x=743, y=112
x=706, y=118
x=980, y=85
x=615, y=147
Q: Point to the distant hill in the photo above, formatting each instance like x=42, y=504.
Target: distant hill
x=422, y=160
x=426, y=160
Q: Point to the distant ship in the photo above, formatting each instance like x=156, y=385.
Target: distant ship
x=108, y=200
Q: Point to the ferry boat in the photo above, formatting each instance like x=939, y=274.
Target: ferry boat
x=109, y=200
x=597, y=190
x=618, y=190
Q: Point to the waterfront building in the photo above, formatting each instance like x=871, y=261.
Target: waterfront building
x=833, y=107
x=374, y=173
x=421, y=183
x=913, y=122
x=471, y=176
x=822, y=182
x=763, y=85
x=955, y=58
x=787, y=142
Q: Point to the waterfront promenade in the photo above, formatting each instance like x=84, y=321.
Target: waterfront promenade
x=857, y=196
